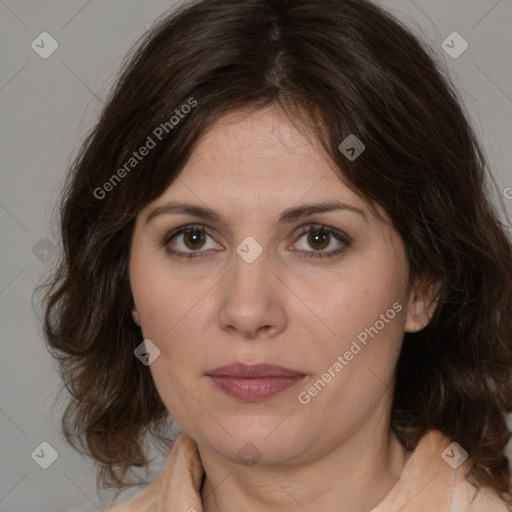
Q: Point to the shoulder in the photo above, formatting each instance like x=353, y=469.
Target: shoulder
x=178, y=482
x=144, y=501
x=467, y=498
x=435, y=478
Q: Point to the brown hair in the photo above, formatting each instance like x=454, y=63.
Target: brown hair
x=337, y=67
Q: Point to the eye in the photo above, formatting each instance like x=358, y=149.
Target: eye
x=322, y=237
x=188, y=241
x=192, y=242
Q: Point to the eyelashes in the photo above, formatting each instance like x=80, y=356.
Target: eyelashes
x=315, y=230
x=184, y=231
x=318, y=232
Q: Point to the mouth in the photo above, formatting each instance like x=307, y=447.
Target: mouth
x=254, y=382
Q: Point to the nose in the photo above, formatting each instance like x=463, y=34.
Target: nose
x=251, y=303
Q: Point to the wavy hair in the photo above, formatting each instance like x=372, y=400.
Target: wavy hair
x=335, y=67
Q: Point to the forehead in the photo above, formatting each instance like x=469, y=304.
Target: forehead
x=262, y=151
x=261, y=160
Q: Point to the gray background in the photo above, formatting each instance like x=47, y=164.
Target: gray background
x=46, y=108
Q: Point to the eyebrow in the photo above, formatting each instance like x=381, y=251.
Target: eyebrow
x=287, y=216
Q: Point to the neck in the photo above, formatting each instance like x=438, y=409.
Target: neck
x=355, y=475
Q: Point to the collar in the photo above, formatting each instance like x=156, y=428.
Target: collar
x=428, y=483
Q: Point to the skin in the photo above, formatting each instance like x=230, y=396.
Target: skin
x=336, y=452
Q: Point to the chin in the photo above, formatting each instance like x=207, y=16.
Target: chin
x=262, y=440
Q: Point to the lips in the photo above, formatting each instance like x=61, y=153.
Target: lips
x=254, y=370
x=253, y=382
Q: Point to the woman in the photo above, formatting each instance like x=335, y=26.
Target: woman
x=278, y=235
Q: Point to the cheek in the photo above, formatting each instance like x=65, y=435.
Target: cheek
x=354, y=369
x=354, y=301
x=363, y=318
x=165, y=300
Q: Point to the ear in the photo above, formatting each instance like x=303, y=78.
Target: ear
x=135, y=316
x=421, y=306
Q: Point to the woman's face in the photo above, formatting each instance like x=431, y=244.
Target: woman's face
x=260, y=286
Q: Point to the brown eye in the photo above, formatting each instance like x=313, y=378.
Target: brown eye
x=322, y=237
x=318, y=239
x=190, y=242
x=194, y=239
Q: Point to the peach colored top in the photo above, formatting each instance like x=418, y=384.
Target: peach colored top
x=427, y=484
